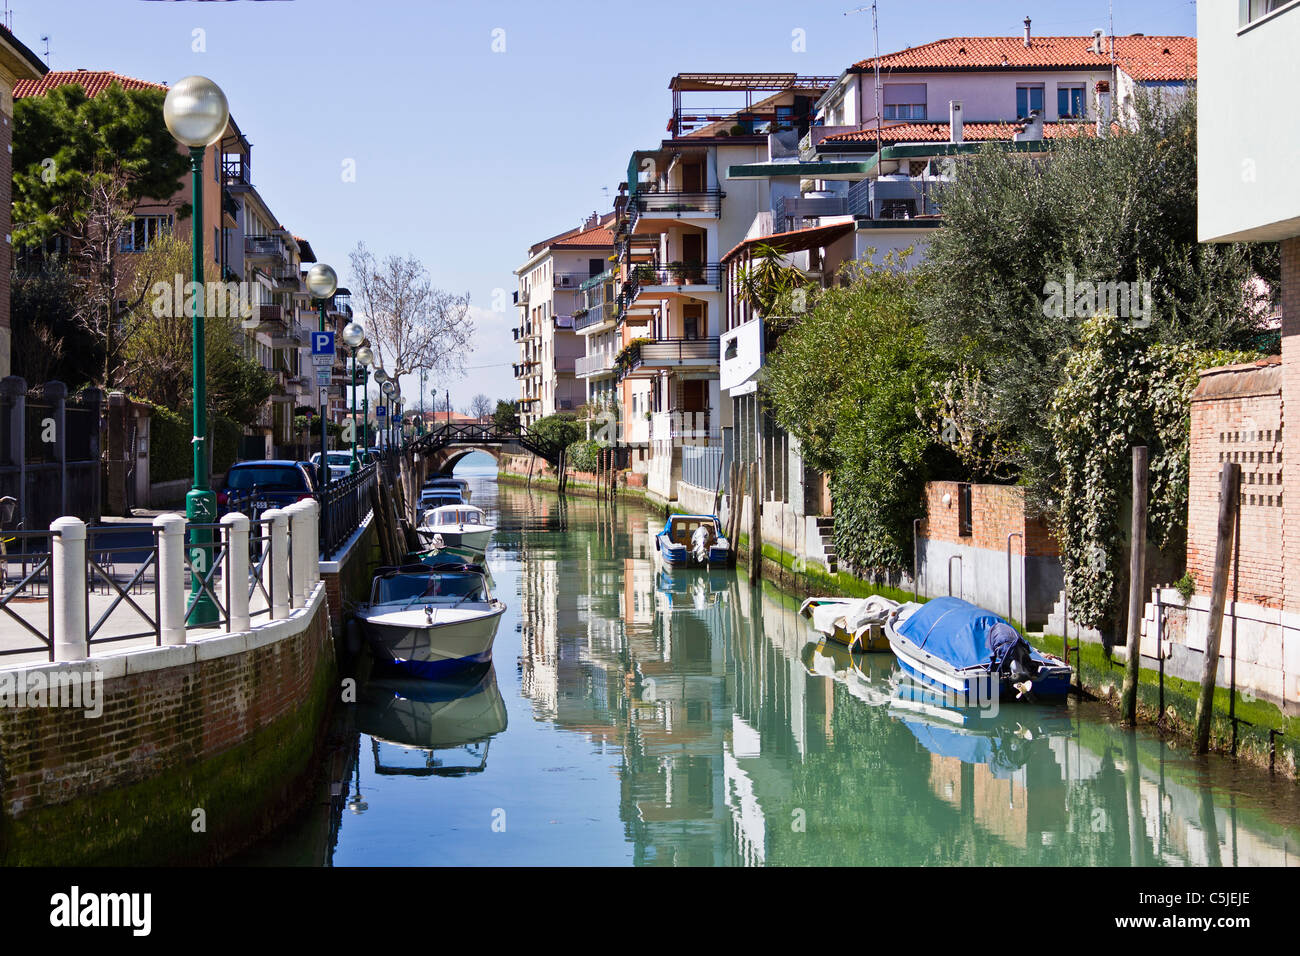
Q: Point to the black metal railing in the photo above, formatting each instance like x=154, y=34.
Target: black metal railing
x=708, y=201
x=678, y=274
x=345, y=502
x=25, y=558
x=670, y=353
x=118, y=567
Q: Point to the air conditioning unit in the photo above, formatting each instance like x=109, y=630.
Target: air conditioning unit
x=565, y=281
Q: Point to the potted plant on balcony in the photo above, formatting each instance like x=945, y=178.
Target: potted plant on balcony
x=627, y=354
x=678, y=270
x=694, y=270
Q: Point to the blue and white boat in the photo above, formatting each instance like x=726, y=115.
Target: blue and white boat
x=971, y=654
x=692, y=541
x=426, y=621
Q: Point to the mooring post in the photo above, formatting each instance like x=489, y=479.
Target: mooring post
x=1137, y=564
x=1229, y=495
x=756, y=525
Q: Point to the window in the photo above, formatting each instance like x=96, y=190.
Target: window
x=1028, y=98
x=1069, y=100
x=1253, y=10
x=965, y=511
x=904, y=101
x=137, y=236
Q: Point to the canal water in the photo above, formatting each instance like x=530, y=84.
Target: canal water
x=633, y=719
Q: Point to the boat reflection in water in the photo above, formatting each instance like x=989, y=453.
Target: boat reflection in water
x=432, y=727
x=695, y=590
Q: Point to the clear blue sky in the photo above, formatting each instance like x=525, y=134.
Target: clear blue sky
x=464, y=156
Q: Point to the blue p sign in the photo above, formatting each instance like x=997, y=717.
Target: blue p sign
x=322, y=343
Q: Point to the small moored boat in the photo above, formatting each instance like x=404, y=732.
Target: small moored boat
x=459, y=525
x=857, y=623
x=971, y=654
x=427, y=620
x=692, y=541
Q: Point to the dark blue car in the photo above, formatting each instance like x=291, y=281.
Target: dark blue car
x=257, y=486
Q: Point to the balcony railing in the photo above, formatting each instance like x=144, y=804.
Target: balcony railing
x=787, y=208
x=606, y=312
x=684, y=427
x=570, y=280
x=758, y=121
x=672, y=353
x=672, y=203
x=265, y=247
x=237, y=172
x=594, y=364
x=679, y=274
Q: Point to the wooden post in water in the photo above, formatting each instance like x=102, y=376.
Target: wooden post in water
x=755, y=524
x=1229, y=497
x=733, y=503
x=1137, y=564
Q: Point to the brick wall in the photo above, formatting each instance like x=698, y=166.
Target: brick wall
x=162, y=745
x=1236, y=416
x=996, y=511
x=1290, y=550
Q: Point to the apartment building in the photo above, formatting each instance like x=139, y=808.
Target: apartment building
x=1248, y=192
x=256, y=249
x=864, y=181
x=17, y=65
x=674, y=221
x=550, y=292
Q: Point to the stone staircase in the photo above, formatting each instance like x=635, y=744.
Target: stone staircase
x=826, y=532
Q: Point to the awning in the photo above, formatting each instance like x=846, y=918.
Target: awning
x=797, y=240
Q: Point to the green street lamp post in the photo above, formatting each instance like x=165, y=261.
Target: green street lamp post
x=381, y=379
x=353, y=336
x=196, y=113
x=322, y=283
x=366, y=358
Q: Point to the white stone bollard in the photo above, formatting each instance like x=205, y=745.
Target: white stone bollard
x=276, y=570
x=68, y=589
x=173, y=586
x=298, y=546
x=236, y=570
x=314, y=524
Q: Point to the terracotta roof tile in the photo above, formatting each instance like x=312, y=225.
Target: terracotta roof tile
x=940, y=133
x=93, y=82
x=1148, y=58
x=600, y=236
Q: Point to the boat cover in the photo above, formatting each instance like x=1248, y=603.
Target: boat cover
x=855, y=615
x=958, y=632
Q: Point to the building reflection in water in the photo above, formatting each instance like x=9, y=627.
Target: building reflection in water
x=742, y=740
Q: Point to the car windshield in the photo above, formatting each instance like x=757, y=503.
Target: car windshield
x=447, y=586
x=266, y=478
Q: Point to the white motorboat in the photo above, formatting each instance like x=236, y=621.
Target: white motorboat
x=427, y=620
x=459, y=526
x=446, y=483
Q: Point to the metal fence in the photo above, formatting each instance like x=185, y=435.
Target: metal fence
x=25, y=558
x=705, y=466
x=345, y=503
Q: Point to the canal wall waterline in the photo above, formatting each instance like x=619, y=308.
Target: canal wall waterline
x=200, y=749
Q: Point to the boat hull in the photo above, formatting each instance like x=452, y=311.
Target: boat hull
x=475, y=541
x=973, y=685
x=404, y=641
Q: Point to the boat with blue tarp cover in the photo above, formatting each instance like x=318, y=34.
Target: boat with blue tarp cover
x=971, y=653
x=692, y=541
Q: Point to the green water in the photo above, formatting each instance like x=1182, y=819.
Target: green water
x=633, y=720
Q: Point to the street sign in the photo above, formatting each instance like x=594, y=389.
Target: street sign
x=322, y=376
x=322, y=350
x=381, y=411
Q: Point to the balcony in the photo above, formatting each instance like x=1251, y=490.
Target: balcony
x=789, y=212
x=237, y=171
x=270, y=319
x=570, y=280
x=684, y=427
x=596, y=317
x=595, y=364
x=654, y=211
x=267, y=250
x=287, y=281
x=342, y=305
x=521, y=297
x=672, y=353
x=655, y=282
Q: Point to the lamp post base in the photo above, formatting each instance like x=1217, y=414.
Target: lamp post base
x=201, y=508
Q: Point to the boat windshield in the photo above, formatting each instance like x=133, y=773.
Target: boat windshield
x=456, y=517
x=456, y=587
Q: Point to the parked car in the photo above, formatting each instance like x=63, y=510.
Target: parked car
x=261, y=485
x=340, y=463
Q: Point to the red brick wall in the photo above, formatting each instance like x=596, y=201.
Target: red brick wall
x=1246, y=429
x=1290, y=550
x=157, y=720
x=996, y=511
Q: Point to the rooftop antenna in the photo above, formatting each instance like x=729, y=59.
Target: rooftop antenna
x=46, y=40
x=9, y=18
x=875, y=32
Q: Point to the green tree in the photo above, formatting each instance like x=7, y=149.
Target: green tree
x=506, y=417
x=82, y=165
x=1119, y=208
x=559, y=430
x=847, y=381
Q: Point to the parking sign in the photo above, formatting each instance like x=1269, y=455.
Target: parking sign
x=322, y=348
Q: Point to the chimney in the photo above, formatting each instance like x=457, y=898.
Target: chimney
x=1103, y=107
x=1097, y=46
x=1033, y=129
x=955, y=124
x=1026, y=31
